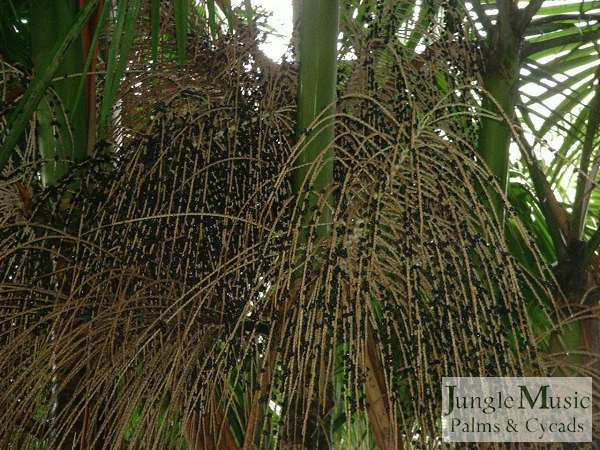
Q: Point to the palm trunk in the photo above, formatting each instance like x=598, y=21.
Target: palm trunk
x=316, y=97
x=501, y=83
x=578, y=337
x=306, y=426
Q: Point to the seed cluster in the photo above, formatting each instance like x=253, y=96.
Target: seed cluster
x=164, y=278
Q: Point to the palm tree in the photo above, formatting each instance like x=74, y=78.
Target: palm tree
x=246, y=260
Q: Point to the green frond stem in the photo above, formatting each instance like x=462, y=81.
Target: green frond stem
x=43, y=79
x=560, y=41
x=59, y=140
x=118, y=53
x=225, y=6
x=544, y=20
x=249, y=15
x=180, y=9
x=212, y=23
x=316, y=96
